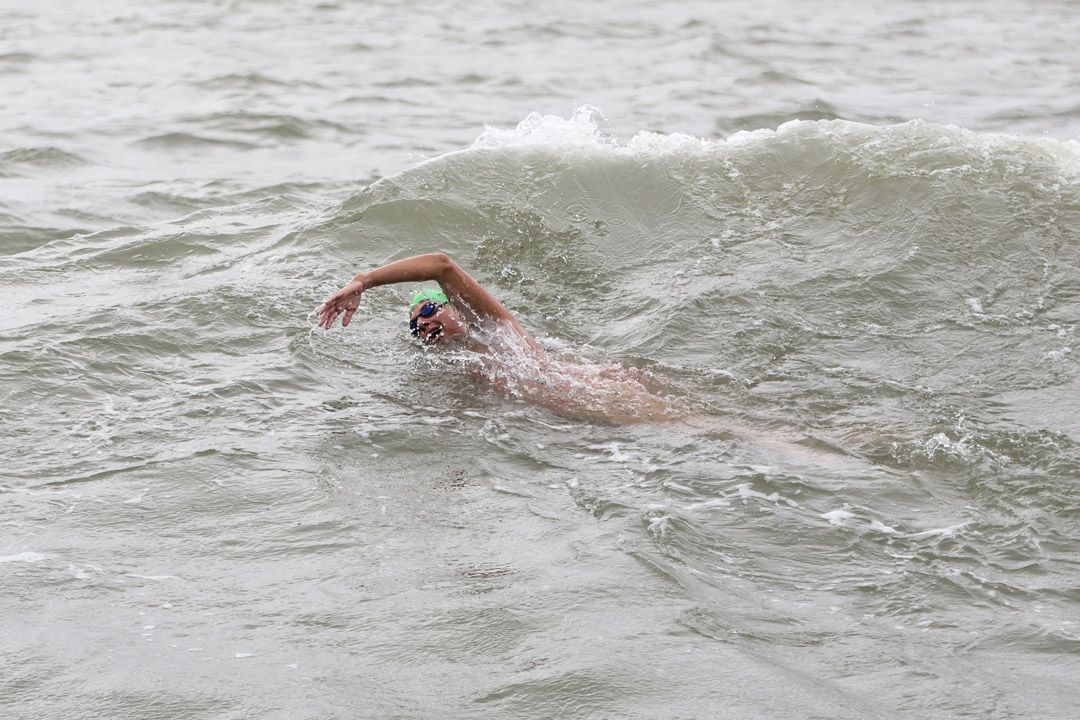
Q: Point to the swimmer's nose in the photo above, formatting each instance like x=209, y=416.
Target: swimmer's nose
x=425, y=326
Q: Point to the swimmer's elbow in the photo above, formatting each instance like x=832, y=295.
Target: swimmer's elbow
x=442, y=263
x=449, y=273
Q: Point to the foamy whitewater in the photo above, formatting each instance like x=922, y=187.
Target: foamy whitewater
x=839, y=241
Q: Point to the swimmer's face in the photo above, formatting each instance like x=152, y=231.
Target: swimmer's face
x=436, y=323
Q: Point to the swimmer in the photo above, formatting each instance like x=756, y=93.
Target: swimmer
x=462, y=314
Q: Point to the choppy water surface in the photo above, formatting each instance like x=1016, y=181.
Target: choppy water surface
x=845, y=233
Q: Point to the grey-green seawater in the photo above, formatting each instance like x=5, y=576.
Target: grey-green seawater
x=208, y=509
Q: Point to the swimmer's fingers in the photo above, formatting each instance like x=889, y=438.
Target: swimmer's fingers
x=332, y=302
x=327, y=318
x=344, y=301
x=348, y=307
x=328, y=312
x=334, y=313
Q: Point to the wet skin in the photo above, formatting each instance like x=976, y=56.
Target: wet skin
x=444, y=326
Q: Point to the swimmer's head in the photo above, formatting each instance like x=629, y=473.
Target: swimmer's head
x=433, y=319
x=424, y=294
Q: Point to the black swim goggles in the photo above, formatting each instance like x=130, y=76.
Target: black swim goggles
x=426, y=310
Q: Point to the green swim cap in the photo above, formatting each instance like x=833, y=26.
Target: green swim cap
x=435, y=294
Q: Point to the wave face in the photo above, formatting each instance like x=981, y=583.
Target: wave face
x=872, y=493
x=910, y=260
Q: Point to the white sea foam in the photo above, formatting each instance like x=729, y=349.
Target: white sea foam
x=1057, y=355
x=744, y=491
x=658, y=526
x=949, y=531
x=581, y=129
x=881, y=527
x=615, y=453
x=838, y=517
x=24, y=557
x=843, y=517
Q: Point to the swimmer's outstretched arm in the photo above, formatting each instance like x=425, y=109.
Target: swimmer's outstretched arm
x=474, y=302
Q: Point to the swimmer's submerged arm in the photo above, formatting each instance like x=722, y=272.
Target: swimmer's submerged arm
x=464, y=292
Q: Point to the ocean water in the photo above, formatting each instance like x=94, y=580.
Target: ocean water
x=841, y=236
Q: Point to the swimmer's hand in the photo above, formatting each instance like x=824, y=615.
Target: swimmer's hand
x=342, y=303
